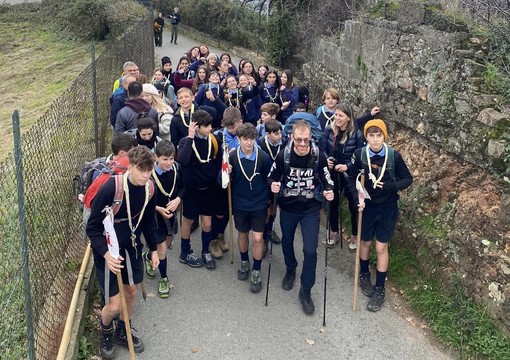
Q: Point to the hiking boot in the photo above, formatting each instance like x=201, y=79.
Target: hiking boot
x=377, y=299
x=215, y=250
x=191, y=259
x=256, y=282
x=353, y=243
x=306, y=300
x=366, y=284
x=275, y=239
x=107, y=348
x=222, y=242
x=208, y=261
x=121, y=339
x=244, y=270
x=288, y=280
x=163, y=289
x=148, y=267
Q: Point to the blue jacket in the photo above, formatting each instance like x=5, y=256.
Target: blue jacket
x=291, y=95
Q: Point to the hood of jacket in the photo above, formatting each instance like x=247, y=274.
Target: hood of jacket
x=138, y=105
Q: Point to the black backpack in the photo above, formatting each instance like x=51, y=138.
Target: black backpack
x=304, y=96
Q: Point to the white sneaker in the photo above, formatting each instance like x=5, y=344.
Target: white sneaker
x=353, y=243
x=333, y=239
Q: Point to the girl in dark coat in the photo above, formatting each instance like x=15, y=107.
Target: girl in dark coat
x=340, y=140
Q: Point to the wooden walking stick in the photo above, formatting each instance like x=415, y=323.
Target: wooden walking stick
x=358, y=241
x=125, y=315
x=230, y=224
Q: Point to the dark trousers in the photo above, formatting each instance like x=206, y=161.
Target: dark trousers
x=158, y=38
x=174, y=32
x=310, y=231
x=334, y=213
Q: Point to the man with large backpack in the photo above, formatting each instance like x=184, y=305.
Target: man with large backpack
x=130, y=198
x=301, y=178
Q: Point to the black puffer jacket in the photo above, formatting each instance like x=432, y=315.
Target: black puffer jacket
x=341, y=152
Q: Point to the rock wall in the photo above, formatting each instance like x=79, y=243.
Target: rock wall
x=428, y=81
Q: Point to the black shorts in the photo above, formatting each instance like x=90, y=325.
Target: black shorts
x=379, y=222
x=135, y=257
x=198, y=202
x=165, y=227
x=250, y=220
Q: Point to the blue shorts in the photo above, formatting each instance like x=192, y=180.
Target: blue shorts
x=379, y=222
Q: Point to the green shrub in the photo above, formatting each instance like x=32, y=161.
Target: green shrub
x=91, y=19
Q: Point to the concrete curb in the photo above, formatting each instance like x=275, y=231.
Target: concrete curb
x=81, y=311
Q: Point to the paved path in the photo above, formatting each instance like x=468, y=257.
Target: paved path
x=212, y=315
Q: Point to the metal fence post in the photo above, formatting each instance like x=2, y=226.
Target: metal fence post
x=18, y=157
x=94, y=98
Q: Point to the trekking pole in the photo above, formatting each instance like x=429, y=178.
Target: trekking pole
x=125, y=315
x=328, y=209
x=358, y=242
x=340, y=209
x=230, y=224
x=273, y=213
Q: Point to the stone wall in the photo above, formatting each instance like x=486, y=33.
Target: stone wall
x=428, y=83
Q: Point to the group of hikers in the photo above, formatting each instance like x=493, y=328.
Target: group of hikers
x=186, y=138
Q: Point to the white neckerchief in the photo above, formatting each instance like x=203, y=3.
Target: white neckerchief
x=271, y=99
x=255, y=173
x=160, y=186
x=128, y=206
x=190, y=113
x=328, y=118
x=371, y=176
x=209, y=147
x=269, y=149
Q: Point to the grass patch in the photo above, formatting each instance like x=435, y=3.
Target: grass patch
x=453, y=317
x=36, y=66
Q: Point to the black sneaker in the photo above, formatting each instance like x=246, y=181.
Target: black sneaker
x=305, y=299
x=208, y=261
x=244, y=270
x=275, y=238
x=107, y=348
x=191, y=259
x=377, y=299
x=366, y=284
x=121, y=339
x=288, y=280
x=256, y=282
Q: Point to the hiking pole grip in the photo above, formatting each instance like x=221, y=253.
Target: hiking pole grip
x=125, y=315
x=358, y=243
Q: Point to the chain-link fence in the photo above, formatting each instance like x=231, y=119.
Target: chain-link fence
x=52, y=152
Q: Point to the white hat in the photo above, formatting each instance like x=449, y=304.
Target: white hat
x=150, y=89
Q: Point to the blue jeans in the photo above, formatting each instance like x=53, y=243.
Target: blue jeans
x=310, y=232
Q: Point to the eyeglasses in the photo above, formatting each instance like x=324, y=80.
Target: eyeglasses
x=301, y=141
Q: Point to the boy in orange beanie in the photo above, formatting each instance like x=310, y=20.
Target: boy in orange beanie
x=385, y=174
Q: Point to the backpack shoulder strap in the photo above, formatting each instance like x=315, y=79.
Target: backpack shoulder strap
x=364, y=156
x=391, y=163
x=118, y=197
x=215, y=146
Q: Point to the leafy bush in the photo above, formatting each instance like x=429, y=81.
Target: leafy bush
x=91, y=19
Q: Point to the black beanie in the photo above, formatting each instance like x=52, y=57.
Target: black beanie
x=165, y=60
